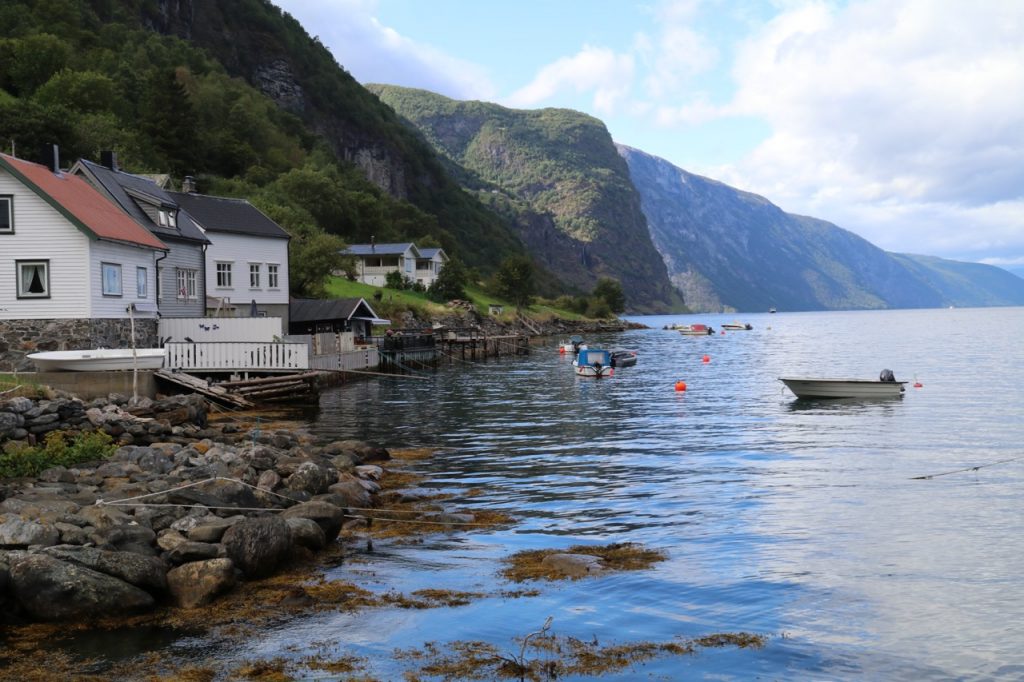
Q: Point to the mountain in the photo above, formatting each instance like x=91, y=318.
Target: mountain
x=557, y=175
x=726, y=249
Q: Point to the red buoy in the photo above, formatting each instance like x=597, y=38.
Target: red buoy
x=561, y=350
x=680, y=385
x=706, y=358
x=918, y=384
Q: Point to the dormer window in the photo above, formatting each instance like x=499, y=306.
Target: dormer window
x=172, y=218
x=162, y=218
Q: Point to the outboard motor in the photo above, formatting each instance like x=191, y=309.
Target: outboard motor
x=886, y=375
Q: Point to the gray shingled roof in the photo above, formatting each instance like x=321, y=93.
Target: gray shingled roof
x=309, y=309
x=380, y=249
x=118, y=184
x=429, y=252
x=221, y=214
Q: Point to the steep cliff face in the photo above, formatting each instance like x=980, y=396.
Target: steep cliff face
x=728, y=249
x=256, y=41
x=557, y=174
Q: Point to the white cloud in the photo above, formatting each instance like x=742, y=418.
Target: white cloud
x=601, y=70
x=375, y=53
x=899, y=120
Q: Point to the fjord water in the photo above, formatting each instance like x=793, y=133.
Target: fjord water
x=804, y=522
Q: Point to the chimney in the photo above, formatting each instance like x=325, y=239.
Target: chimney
x=188, y=185
x=372, y=249
x=50, y=157
x=108, y=159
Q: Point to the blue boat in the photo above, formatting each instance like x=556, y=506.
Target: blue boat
x=593, y=362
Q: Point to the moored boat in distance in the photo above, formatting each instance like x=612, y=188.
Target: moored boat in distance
x=593, y=362
x=737, y=326
x=694, y=329
x=622, y=357
x=572, y=345
x=101, y=359
x=819, y=388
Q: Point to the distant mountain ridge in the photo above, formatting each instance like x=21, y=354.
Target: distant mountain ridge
x=556, y=174
x=726, y=249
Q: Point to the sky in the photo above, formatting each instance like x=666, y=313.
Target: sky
x=900, y=120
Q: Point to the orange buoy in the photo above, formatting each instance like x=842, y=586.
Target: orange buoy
x=680, y=385
x=706, y=358
x=561, y=350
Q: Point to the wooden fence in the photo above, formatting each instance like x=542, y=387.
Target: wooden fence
x=237, y=355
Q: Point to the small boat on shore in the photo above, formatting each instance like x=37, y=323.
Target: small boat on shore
x=733, y=326
x=100, y=359
x=622, y=357
x=808, y=388
x=593, y=362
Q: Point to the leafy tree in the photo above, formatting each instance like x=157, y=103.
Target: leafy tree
x=514, y=280
x=610, y=291
x=312, y=259
x=31, y=61
x=450, y=283
x=396, y=280
x=82, y=91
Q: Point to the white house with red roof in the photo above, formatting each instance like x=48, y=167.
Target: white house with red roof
x=73, y=266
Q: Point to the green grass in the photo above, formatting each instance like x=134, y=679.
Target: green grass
x=393, y=300
x=12, y=385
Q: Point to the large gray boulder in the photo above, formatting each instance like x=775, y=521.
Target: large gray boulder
x=306, y=533
x=258, y=546
x=198, y=583
x=16, y=532
x=353, y=493
x=149, y=573
x=53, y=590
x=326, y=515
x=127, y=538
x=311, y=478
x=188, y=551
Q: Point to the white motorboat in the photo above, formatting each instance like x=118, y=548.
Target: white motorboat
x=843, y=388
x=593, y=362
x=694, y=329
x=100, y=359
x=737, y=326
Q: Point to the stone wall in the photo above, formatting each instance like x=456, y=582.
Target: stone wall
x=18, y=338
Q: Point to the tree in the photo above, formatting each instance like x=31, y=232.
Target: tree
x=396, y=280
x=514, y=280
x=450, y=283
x=611, y=291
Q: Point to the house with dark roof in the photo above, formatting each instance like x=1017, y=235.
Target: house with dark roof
x=247, y=260
x=75, y=271
x=338, y=315
x=181, y=274
x=375, y=261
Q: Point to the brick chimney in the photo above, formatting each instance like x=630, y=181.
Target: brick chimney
x=108, y=159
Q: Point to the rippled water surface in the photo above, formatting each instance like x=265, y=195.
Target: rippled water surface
x=799, y=521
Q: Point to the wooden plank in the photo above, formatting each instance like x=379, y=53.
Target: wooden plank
x=197, y=385
x=304, y=376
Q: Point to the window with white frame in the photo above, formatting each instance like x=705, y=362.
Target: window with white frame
x=33, y=278
x=254, y=275
x=172, y=218
x=272, y=281
x=6, y=214
x=187, y=278
x=224, y=274
x=141, y=282
x=162, y=218
x=111, y=279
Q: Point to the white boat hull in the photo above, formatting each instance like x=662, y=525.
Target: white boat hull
x=106, y=359
x=843, y=388
x=591, y=371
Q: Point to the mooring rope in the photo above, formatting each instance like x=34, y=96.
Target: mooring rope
x=131, y=502
x=973, y=468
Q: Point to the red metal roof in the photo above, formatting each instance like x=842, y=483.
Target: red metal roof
x=81, y=203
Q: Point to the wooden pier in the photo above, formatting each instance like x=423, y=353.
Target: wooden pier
x=473, y=345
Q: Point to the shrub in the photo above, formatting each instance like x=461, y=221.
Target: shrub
x=21, y=459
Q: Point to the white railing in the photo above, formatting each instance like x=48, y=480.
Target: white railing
x=348, y=360
x=237, y=355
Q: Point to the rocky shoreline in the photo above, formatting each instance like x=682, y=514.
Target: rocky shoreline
x=178, y=515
